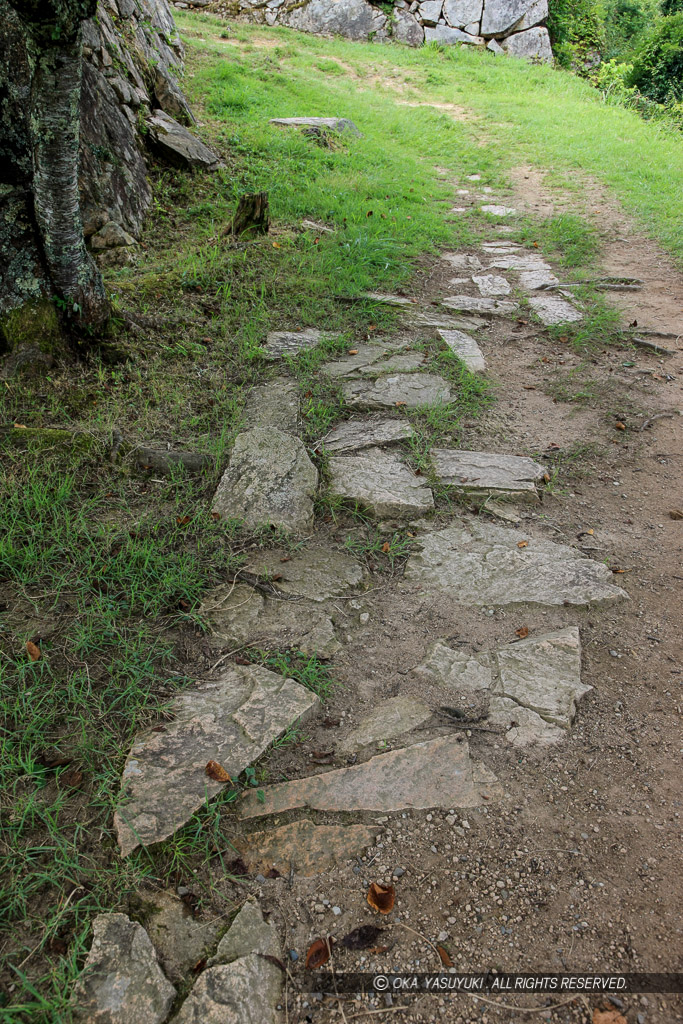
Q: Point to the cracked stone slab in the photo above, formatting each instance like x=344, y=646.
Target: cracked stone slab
x=411, y=390
x=466, y=349
x=491, y=284
x=551, y=309
x=273, y=405
x=334, y=124
x=290, y=343
x=380, y=481
x=306, y=848
x=122, y=980
x=503, y=247
x=522, y=727
x=269, y=479
x=483, y=564
x=456, y=669
x=532, y=280
x=389, y=300
x=248, y=933
x=522, y=261
x=353, y=435
x=239, y=614
x=487, y=473
x=449, y=323
x=389, y=719
x=498, y=211
x=180, y=939
x=231, y=721
x=373, y=360
x=479, y=304
x=462, y=261
x=434, y=773
x=317, y=572
x=246, y=991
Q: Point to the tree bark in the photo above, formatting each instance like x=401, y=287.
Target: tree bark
x=252, y=214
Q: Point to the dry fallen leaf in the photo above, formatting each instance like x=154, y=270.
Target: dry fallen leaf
x=353, y=351
x=386, y=547
x=522, y=543
x=381, y=897
x=400, y=404
x=318, y=953
x=276, y=245
x=522, y=632
x=182, y=520
x=619, y=425
x=608, y=1017
x=445, y=956
x=217, y=772
x=32, y=650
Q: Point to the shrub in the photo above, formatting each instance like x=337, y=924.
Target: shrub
x=658, y=64
x=576, y=28
x=626, y=23
x=672, y=6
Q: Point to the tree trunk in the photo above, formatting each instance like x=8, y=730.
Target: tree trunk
x=252, y=214
x=55, y=136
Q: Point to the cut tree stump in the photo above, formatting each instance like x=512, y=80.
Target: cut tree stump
x=251, y=215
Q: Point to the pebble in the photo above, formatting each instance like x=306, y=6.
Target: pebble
x=364, y=617
x=442, y=936
x=336, y=911
x=293, y=955
x=398, y=872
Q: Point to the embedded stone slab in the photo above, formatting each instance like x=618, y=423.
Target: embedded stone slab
x=239, y=614
x=533, y=43
x=551, y=309
x=462, y=261
x=246, y=991
x=456, y=669
x=380, y=481
x=269, y=479
x=290, y=343
x=498, y=211
x=466, y=349
x=537, y=13
x=372, y=360
x=448, y=36
x=449, y=323
x=273, y=405
x=180, y=938
x=543, y=674
x=487, y=473
x=179, y=145
x=248, y=933
x=353, y=435
x=522, y=727
x=389, y=300
x=494, y=246
x=122, y=980
x=333, y=124
x=389, y=719
x=479, y=304
x=411, y=390
x=483, y=564
x=231, y=721
x=532, y=280
x=434, y=773
x=459, y=13
x=491, y=284
x=303, y=847
x=317, y=572
x=516, y=261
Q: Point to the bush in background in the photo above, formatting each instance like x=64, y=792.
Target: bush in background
x=658, y=65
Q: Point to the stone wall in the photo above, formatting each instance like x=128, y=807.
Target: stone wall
x=515, y=27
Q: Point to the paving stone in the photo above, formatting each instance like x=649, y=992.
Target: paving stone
x=353, y=435
x=389, y=719
x=373, y=360
x=508, y=247
x=290, y=343
x=522, y=727
x=306, y=848
x=491, y=284
x=273, y=405
x=532, y=280
x=551, y=309
x=466, y=349
x=434, y=773
x=380, y=481
x=231, y=721
x=248, y=933
x=180, y=939
x=487, y=473
x=239, y=614
x=461, y=261
x=317, y=572
x=389, y=300
x=497, y=211
x=270, y=479
x=335, y=124
x=519, y=261
x=482, y=564
x=449, y=323
x=411, y=390
x=456, y=668
x=479, y=304
x=246, y=991
x=122, y=980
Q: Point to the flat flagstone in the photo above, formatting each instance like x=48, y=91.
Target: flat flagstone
x=522, y=727
x=275, y=404
x=380, y=481
x=491, y=284
x=543, y=674
x=411, y=390
x=335, y=124
x=551, y=309
x=389, y=300
x=248, y=933
x=389, y=719
x=519, y=261
x=122, y=981
x=495, y=245
x=456, y=668
x=371, y=360
x=466, y=349
x=434, y=773
x=486, y=472
x=231, y=721
x=353, y=435
x=483, y=564
x=498, y=211
x=269, y=479
x=479, y=304
x=449, y=323
x=303, y=847
x=180, y=939
x=317, y=572
x=290, y=343
x=247, y=991
x=461, y=261
x=532, y=280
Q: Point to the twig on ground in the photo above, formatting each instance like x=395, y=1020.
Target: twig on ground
x=523, y=1009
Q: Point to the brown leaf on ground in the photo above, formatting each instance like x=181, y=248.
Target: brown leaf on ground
x=619, y=425
x=608, y=1017
x=353, y=351
x=361, y=938
x=33, y=650
x=71, y=778
x=182, y=520
x=445, y=956
x=676, y=513
x=381, y=897
x=318, y=953
x=522, y=632
x=386, y=547
x=522, y=543
x=217, y=772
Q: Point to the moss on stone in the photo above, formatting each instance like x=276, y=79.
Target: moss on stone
x=34, y=324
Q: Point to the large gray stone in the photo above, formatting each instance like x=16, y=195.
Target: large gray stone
x=273, y=405
x=333, y=124
x=551, y=309
x=248, y=933
x=456, y=669
x=537, y=13
x=483, y=564
x=317, y=572
x=435, y=773
x=270, y=479
x=487, y=473
x=389, y=300
x=543, y=674
x=290, y=343
x=406, y=28
x=430, y=11
x=180, y=938
x=534, y=43
x=389, y=719
x=491, y=284
x=497, y=210
x=448, y=36
x=303, y=847
x=411, y=390
x=478, y=304
x=532, y=280
x=466, y=349
x=122, y=980
x=246, y=991
x=179, y=145
x=448, y=323
x=522, y=727
x=353, y=435
x=459, y=13
x=501, y=15
x=353, y=19
x=517, y=261
x=381, y=482
x=462, y=261
x=372, y=360
x=231, y=721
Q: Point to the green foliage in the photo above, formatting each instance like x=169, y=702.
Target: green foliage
x=658, y=65
x=626, y=22
x=576, y=28
x=671, y=7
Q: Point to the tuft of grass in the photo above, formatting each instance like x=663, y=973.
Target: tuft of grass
x=567, y=237
x=309, y=670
